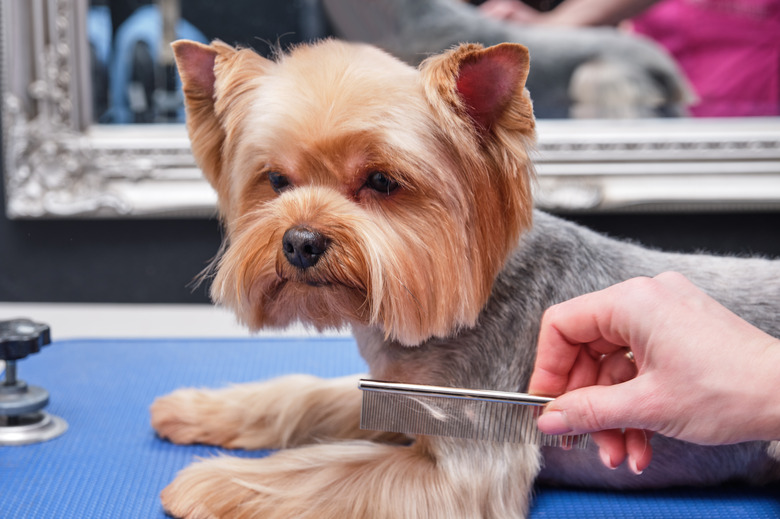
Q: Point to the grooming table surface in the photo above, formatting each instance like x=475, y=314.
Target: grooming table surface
x=110, y=464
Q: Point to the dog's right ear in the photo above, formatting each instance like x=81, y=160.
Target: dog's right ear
x=195, y=63
x=213, y=78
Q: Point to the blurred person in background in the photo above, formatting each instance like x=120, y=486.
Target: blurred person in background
x=728, y=49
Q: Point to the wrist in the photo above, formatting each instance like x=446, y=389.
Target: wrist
x=764, y=398
x=772, y=394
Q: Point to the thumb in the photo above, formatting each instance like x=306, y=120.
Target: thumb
x=591, y=409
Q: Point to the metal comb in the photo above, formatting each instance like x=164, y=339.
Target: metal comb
x=475, y=414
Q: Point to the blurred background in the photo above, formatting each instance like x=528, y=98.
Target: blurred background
x=617, y=67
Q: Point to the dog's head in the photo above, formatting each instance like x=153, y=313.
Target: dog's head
x=356, y=189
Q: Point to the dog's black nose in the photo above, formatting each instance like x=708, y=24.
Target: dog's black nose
x=303, y=247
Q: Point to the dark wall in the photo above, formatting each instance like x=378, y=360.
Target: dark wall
x=137, y=261
x=721, y=233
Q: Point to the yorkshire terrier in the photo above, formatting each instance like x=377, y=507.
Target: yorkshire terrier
x=356, y=190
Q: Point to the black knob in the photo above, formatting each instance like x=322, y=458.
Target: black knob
x=18, y=339
x=22, y=418
x=22, y=337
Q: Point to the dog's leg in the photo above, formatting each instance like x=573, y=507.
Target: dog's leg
x=282, y=412
x=433, y=478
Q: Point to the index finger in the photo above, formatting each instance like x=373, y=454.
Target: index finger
x=566, y=329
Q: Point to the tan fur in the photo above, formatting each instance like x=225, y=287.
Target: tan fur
x=349, y=480
x=270, y=122
x=295, y=410
x=415, y=263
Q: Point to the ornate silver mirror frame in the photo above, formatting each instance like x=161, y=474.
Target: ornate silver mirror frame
x=58, y=164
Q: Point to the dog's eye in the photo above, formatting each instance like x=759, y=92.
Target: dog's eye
x=381, y=183
x=278, y=181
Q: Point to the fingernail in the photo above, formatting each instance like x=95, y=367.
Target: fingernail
x=632, y=464
x=553, y=422
x=606, y=460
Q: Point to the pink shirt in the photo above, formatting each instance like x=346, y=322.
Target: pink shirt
x=729, y=50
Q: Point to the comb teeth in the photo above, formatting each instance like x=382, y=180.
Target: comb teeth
x=471, y=414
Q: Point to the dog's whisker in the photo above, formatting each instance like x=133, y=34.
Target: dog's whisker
x=417, y=304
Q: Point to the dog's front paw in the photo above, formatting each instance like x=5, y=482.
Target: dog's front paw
x=286, y=411
x=205, y=491
x=195, y=416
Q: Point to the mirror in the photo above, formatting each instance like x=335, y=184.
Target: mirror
x=74, y=147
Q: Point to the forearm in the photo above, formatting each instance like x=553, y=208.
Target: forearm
x=584, y=13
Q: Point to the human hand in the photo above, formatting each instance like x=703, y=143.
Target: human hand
x=511, y=10
x=701, y=373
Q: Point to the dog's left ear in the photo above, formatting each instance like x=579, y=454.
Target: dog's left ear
x=479, y=99
x=484, y=85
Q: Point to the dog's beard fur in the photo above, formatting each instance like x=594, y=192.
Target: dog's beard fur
x=417, y=262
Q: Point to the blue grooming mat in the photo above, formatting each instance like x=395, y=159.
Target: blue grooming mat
x=110, y=464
